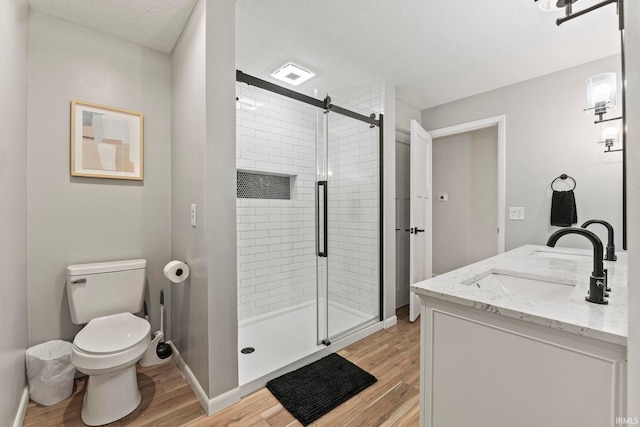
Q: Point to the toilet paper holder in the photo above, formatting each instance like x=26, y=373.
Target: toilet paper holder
x=176, y=271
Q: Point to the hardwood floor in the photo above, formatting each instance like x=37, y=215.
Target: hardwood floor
x=391, y=355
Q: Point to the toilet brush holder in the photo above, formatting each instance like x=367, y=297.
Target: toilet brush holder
x=158, y=352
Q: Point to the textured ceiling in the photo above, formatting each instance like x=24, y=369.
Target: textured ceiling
x=156, y=24
x=435, y=51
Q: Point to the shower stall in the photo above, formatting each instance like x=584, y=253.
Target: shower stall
x=309, y=224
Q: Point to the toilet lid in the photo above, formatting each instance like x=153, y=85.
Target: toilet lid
x=113, y=333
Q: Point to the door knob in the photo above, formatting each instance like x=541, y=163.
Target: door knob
x=419, y=230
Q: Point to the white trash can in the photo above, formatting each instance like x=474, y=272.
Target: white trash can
x=50, y=372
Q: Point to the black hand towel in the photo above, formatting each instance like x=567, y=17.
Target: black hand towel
x=563, y=208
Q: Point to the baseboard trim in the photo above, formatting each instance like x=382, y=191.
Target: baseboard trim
x=391, y=321
x=22, y=409
x=223, y=400
x=210, y=406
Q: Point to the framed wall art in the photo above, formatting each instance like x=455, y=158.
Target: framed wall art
x=106, y=142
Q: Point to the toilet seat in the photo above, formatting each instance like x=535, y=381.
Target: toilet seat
x=110, y=343
x=111, y=334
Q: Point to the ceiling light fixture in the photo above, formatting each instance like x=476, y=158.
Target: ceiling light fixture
x=292, y=74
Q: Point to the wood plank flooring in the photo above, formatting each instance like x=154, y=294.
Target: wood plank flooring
x=391, y=355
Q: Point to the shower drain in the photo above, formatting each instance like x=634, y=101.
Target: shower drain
x=247, y=350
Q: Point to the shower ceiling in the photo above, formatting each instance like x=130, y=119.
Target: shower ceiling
x=434, y=51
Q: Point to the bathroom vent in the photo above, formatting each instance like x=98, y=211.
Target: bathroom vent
x=251, y=185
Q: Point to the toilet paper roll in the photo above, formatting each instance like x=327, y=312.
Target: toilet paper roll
x=176, y=271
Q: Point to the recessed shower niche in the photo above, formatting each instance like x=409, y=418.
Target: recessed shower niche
x=308, y=263
x=261, y=185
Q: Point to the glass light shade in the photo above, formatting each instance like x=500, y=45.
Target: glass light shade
x=548, y=5
x=601, y=92
x=611, y=133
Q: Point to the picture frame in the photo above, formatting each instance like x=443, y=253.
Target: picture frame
x=106, y=142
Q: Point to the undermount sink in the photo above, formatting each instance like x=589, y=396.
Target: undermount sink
x=505, y=283
x=560, y=255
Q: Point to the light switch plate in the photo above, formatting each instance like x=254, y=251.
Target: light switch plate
x=194, y=215
x=516, y=213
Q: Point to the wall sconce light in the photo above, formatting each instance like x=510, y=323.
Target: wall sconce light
x=553, y=5
x=547, y=5
x=601, y=94
x=610, y=136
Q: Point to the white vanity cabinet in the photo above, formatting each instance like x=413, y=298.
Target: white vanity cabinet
x=480, y=369
x=491, y=361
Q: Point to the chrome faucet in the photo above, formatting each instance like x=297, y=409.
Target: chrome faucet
x=611, y=248
x=597, y=283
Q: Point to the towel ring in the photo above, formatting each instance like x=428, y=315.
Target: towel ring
x=563, y=177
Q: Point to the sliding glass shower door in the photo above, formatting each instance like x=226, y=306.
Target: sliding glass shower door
x=308, y=221
x=348, y=225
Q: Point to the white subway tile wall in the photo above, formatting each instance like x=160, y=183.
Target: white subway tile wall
x=354, y=221
x=276, y=238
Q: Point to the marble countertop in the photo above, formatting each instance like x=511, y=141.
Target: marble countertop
x=572, y=314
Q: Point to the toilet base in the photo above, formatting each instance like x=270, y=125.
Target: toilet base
x=110, y=397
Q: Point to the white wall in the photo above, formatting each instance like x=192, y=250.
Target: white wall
x=405, y=113
x=389, y=203
x=204, y=308
x=77, y=220
x=189, y=311
x=632, y=49
x=548, y=134
x=276, y=238
x=13, y=209
x=221, y=194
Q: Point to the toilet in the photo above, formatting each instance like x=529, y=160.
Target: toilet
x=103, y=296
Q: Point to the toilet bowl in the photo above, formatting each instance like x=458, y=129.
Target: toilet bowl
x=107, y=349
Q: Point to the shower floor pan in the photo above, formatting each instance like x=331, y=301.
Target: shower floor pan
x=283, y=339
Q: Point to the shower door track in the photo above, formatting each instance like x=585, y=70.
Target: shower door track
x=326, y=105
x=319, y=103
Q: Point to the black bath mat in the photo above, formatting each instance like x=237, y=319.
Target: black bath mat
x=313, y=390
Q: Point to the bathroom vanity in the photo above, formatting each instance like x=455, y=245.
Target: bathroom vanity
x=511, y=341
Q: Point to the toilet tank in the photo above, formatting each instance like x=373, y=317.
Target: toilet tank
x=104, y=288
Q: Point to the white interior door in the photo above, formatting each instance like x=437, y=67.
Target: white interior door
x=420, y=236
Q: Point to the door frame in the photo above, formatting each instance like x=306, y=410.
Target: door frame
x=499, y=121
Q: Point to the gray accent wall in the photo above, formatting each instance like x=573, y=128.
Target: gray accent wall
x=203, y=172
x=13, y=208
x=547, y=134
x=465, y=168
x=76, y=220
x=632, y=51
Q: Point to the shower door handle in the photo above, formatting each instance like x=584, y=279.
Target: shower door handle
x=322, y=220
